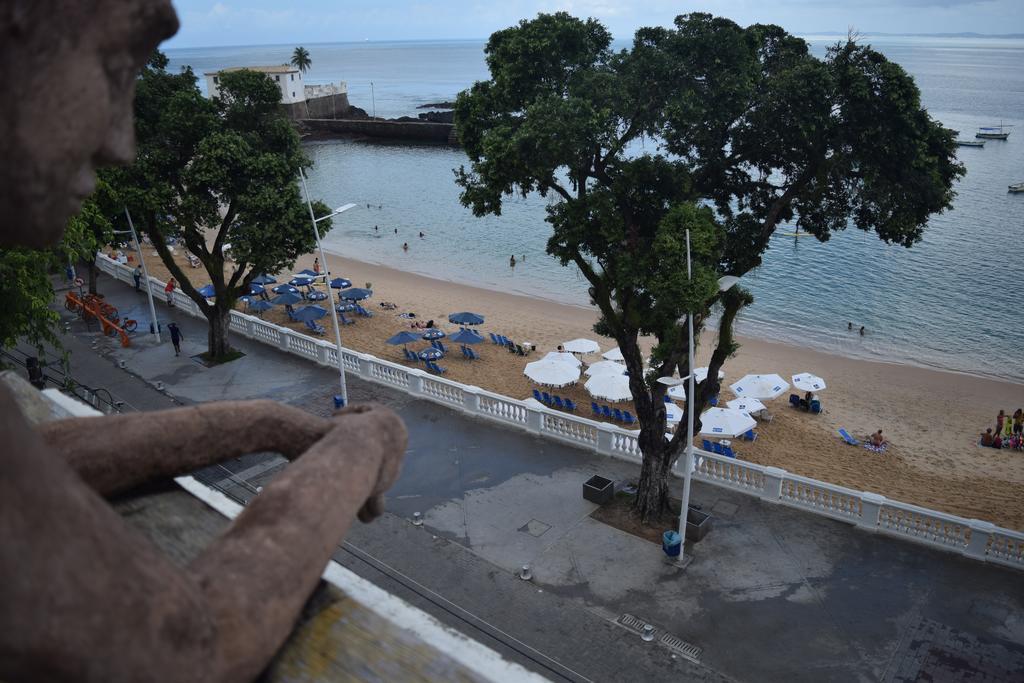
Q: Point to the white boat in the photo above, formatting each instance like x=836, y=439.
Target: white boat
x=970, y=143
x=993, y=132
x=1017, y=187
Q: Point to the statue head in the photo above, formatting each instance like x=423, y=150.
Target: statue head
x=67, y=81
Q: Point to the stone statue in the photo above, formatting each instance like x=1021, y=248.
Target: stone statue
x=82, y=595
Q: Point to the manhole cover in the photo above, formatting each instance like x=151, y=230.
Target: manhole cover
x=535, y=528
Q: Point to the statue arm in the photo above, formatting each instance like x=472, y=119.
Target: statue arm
x=118, y=452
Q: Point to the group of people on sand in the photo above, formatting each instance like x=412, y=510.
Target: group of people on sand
x=1009, y=431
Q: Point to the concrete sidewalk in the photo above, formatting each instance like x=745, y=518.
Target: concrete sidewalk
x=772, y=594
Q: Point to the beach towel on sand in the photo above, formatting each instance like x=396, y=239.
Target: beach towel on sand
x=874, y=448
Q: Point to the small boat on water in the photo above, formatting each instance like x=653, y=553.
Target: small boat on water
x=1017, y=187
x=970, y=143
x=993, y=132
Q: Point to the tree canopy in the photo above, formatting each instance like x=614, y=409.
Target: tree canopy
x=213, y=173
x=707, y=126
x=301, y=59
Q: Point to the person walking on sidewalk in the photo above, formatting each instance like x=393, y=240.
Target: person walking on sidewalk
x=137, y=276
x=169, y=290
x=176, y=337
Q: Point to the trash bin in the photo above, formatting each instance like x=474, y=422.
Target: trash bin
x=598, y=490
x=671, y=543
x=339, y=402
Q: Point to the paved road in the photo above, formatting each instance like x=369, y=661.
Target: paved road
x=773, y=593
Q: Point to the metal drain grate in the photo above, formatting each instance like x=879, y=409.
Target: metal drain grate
x=681, y=647
x=634, y=624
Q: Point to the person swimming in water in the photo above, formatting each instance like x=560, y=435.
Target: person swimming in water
x=512, y=261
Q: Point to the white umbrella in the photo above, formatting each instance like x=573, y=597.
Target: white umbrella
x=605, y=367
x=725, y=422
x=673, y=412
x=563, y=358
x=552, y=373
x=613, y=354
x=581, y=346
x=760, y=386
x=678, y=392
x=805, y=381
x=609, y=387
x=701, y=374
x=746, y=405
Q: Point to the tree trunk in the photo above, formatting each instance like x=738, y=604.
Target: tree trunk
x=652, y=489
x=217, y=336
x=94, y=274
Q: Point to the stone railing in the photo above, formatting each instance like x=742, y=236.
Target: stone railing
x=973, y=538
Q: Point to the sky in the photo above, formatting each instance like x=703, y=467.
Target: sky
x=258, y=22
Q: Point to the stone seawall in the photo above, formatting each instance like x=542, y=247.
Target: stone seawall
x=409, y=131
x=326, y=107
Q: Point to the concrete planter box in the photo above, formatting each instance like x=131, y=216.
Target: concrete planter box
x=598, y=490
x=698, y=524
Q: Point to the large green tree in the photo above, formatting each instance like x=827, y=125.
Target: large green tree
x=709, y=127
x=213, y=173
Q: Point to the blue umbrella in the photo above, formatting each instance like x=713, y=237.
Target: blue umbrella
x=307, y=313
x=466, y=318
x=355, y=294
x=286, y=299
x=404, y=337
x=309, y=273
x=207, y=291
x=433, y=333
x=255, y=289
x=430, y=354
x=465, y=337
x=345, y=308
x=264, y=279
x=341, y=283
x=260, y=306
x=281, y=289
x=301, y=281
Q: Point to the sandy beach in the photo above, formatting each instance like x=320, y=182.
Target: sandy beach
x=932, y=418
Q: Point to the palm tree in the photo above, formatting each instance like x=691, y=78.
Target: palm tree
x=300, y=58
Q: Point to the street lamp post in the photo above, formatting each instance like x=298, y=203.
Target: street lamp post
x=145, y=274
x=323, y=259
x=724, y=283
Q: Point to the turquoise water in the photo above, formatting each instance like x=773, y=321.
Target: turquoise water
x=953, y=301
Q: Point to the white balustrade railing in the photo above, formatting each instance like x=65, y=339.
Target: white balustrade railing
x=870, y=511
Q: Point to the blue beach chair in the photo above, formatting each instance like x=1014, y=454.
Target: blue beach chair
x=606, y=412
x=494, y=339
x=345, y=321
x=668, y=399
x=558, y=402
x=794, y=400
x=728, y=452
x=547, y=397
x=847, y=438
x=537, y=396
x=570, y=405
x=713, y=401
x=815, y=406
x=716, y=448
x=314, y=328
x=707, y=446
x=628, y=418
x=618, y=415
x=750, y=435
x=595, y=409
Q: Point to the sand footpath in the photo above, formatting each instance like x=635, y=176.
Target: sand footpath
x=932, y=417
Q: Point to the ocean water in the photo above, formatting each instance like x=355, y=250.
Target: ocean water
x=954, y=301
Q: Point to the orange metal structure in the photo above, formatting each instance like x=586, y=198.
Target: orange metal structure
x=92, y=305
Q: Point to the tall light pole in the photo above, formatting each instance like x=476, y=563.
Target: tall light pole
x=323, y=259
x=373, y=102
x=145, y=274
x=724, y=283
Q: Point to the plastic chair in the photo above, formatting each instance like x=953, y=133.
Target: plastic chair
x=441, y=347
x=345, y=321
x=815, y=406
x=606, y=412
x=494, y=339
x=751, y=435
x=537, y=396
x=558, y=402
x=627, y=417
x=547, y=397
x=728, y=452
x=472, y=354
x=717, y=448
x=794, y=400
x=707, y=445
x=618, y=415
x=713, y=401
x=595, y=409
x=668, y=399
x=314, y=328
x=570, y=405
x=847, y=438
